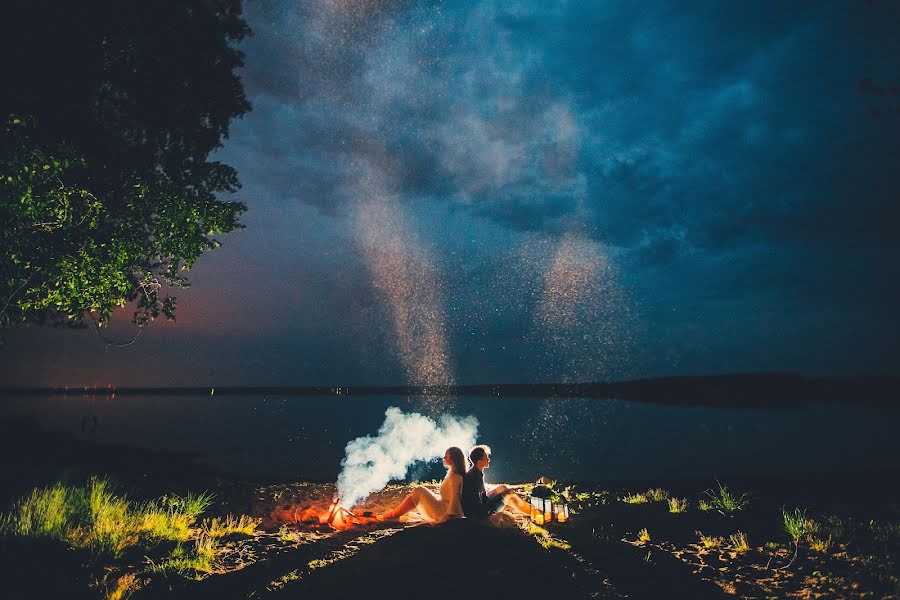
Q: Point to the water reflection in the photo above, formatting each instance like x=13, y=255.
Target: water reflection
x=566, y=438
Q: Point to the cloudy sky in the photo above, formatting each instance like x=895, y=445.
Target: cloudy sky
x=517, y=191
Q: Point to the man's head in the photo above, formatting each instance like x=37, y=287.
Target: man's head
x=480, y=456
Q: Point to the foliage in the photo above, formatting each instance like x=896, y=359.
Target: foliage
x=106, y=193
x=216, y=527
x=819, y=544
x=545, y=539
x=704, y=505
x=634, y=499
x=94, y=517
x=724, y=501
x=657, y=494
x=677, y=505
x=797, y=524
x=643, y=536
x=710, y=541
x=187, y=562
x=739, y=542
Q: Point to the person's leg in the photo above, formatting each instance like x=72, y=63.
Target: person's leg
x=510, y=499
x=516, y=502
x=406, y=505
x=409, y=503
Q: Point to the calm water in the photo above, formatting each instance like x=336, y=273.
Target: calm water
x=588, y=439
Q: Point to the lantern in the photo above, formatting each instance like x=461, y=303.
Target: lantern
x=561, y=510
x=541, y=510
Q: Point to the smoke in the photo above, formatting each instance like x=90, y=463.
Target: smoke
x=370, y=462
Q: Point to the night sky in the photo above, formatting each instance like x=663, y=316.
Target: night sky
x=535, y=191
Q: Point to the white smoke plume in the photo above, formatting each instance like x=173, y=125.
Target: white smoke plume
x=370, y=462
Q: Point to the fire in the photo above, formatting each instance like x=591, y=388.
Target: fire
x=340, y=518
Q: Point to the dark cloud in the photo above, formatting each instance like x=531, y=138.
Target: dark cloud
x=720, y=156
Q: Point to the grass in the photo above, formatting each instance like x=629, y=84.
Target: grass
x=657, y=494
x=187, y=562
x=818, y=544
x=635, y=499
x=710, y=541
x=218, y=528
x=797, y=524
x=677, y=505
x=124, y=587
x=739, y=542
x=704, y=505
x=724, y=501
x=546, y=540
x=643, y=536
x=94, y=517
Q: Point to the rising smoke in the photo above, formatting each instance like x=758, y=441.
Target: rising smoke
x=370, y=462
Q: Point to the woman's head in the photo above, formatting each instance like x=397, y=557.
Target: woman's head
x=456, y=460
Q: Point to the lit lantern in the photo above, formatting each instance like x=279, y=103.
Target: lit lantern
x=541, y=510
x=561, y=510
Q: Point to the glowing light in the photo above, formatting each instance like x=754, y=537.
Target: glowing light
x=407, y=280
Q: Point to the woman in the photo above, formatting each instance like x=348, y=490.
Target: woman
x=434, y=509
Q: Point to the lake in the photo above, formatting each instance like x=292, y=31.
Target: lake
x=303, y=437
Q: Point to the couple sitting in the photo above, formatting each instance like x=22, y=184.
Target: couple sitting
x=462, y=493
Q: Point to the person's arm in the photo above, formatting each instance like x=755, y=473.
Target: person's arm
x=482, y=493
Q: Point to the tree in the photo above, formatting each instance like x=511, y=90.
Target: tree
x=109, y=110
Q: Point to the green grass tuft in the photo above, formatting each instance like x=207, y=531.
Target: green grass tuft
x=797, y=524
x=93, y=516
x=217, y=528
x=183, y=561
x=724, y=501
x=545, y=539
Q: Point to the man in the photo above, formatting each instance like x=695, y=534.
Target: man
x=476, y=501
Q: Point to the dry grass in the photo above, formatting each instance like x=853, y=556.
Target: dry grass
x=194, y=563
x=635, y=499
x=545, y=539
x=643, y=536
x=677, y=505
x=709, y=541
x=126, y=585
x=229, y=525
x=657, y=494
x=739, y=542
x=818, y=544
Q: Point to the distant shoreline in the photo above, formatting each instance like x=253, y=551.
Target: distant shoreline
x=748, y=389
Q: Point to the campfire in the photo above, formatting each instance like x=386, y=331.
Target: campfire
x=335, y=517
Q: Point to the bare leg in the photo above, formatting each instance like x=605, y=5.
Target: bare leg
x=516, y=502
x=404, y=507
x=511, y=499
x=408, y=504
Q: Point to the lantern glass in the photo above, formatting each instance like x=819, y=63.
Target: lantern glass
x=561, y=510
x=541, y=510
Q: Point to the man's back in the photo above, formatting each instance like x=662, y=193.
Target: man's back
x=473, y=495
